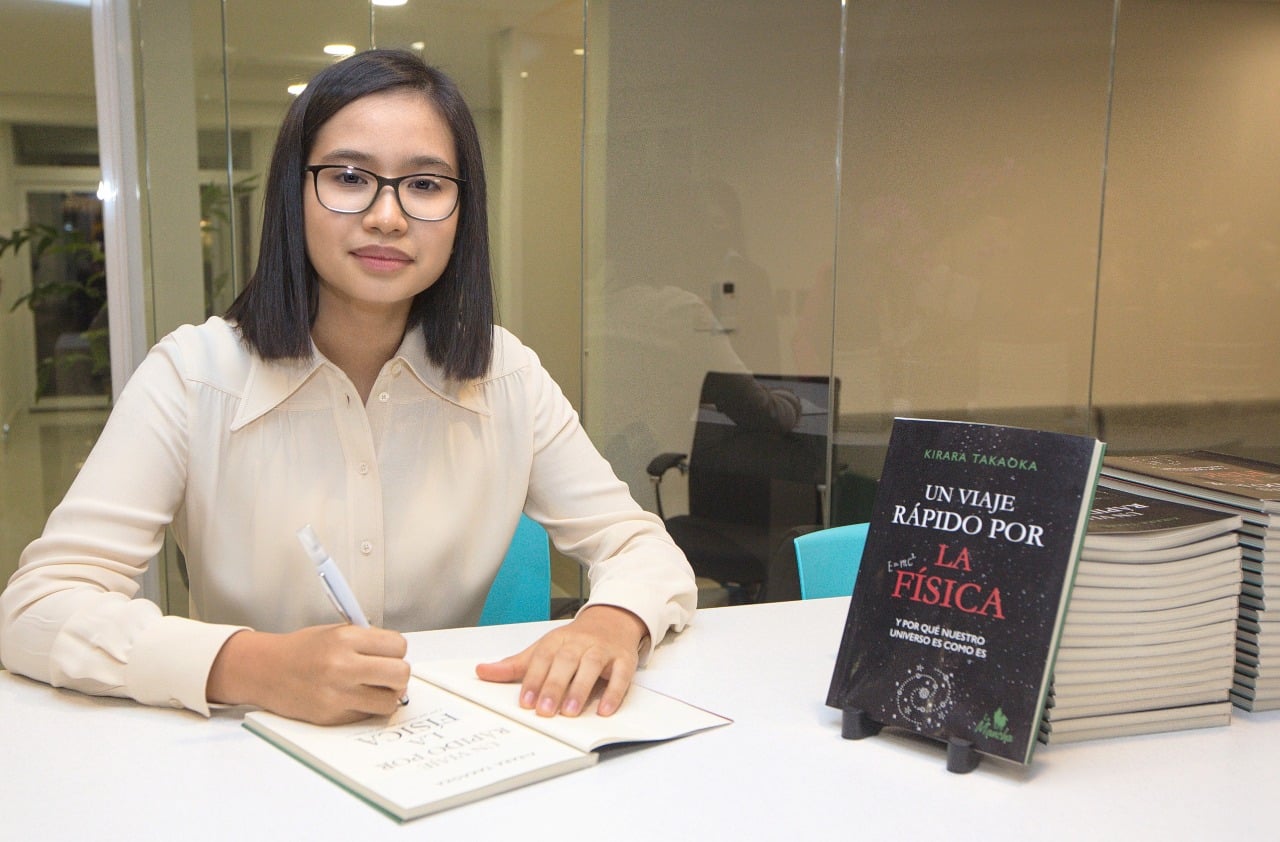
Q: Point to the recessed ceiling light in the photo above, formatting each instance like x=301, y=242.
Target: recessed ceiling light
x=297, y=88
x=389, y=2
x=419, y=45
x=578, y=51
x=342, y=50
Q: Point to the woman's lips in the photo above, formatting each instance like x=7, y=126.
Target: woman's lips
x=381, y=258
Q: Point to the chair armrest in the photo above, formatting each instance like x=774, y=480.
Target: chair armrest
x=658, y=466
x=664, y=462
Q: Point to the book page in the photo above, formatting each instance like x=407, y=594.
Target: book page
x=436, y=751
x=645, y=715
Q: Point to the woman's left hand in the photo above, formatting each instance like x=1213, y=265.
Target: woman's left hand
x=559, y=671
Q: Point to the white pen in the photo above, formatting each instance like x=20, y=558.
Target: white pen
x=335, y=584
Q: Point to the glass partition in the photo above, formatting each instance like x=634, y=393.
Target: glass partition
x=710, y=218
x=1190, y=272
x=973, y=154
x=55, y=377
x=1055, y=214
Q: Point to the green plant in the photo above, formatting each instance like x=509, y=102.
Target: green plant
x=83, y=288
x=44, y=240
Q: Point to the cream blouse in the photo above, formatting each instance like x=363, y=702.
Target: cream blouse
x=416, y=496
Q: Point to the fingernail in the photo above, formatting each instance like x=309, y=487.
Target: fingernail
x=547, y=706
x=571, y=707
x=526, y=701
x=604, y=708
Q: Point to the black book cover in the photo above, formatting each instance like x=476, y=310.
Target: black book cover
x=1234, y=480
x=964, y=580
x=1124, y=519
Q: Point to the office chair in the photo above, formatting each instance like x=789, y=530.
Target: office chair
x=827, y=560
x=521, y=593
x=756, y=470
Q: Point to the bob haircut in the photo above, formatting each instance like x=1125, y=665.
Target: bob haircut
x=275, y=310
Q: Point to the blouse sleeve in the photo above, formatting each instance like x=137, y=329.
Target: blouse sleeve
x=68, y=616
x=590, y=515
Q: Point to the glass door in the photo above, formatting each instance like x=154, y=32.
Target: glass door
x=55, y=377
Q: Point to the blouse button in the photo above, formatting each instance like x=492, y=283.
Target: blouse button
x=384, y=396
x=366, y=547
x=363, y=468
x=396, y=368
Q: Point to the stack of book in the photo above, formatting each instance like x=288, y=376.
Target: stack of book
x=1148, y=643
x=1250, y=489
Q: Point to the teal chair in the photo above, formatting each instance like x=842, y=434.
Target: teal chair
x=521, y=593
x=827, y=560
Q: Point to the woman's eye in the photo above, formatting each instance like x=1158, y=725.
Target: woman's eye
x=423, y=184
x=350, y=178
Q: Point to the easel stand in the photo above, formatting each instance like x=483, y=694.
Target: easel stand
x=857, y=725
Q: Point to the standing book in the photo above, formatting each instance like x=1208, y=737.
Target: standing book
x=460, y=739
x=964, y=581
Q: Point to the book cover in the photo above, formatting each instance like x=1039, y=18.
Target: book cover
x=444, y=749
x=1233, y=480
x=958, y=606
x=1124, y=520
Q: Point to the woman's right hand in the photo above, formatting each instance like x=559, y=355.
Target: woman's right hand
x=322, y=674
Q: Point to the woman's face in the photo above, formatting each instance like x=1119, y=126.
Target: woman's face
x=378, y=260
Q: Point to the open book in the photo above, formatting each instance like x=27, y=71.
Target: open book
x=461, y=739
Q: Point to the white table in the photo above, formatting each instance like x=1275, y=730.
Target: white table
x=80, y=767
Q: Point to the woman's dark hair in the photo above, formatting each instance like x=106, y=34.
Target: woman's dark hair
x=276, y=308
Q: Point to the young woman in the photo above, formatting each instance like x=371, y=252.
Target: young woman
x=358, y=385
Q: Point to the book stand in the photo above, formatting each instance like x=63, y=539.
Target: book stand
x=856, y=724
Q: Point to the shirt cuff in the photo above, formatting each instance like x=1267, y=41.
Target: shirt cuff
x=170, y=662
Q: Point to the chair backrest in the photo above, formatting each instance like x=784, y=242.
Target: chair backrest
x=827, y=560
x=521, y=593
x=744, y=467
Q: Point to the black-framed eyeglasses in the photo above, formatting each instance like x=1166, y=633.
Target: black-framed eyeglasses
x=428, y=197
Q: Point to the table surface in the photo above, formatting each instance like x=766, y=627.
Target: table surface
x=82, y=767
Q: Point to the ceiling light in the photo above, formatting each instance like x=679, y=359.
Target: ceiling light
x=389, y=2
x=297, y=88
x=341, y=50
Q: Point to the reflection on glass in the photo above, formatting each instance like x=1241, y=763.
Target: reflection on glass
x=756, y=470
x=224, y=239
x=710, y=216
x=68, y=296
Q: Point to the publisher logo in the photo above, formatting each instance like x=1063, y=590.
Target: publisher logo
x=995, y=726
